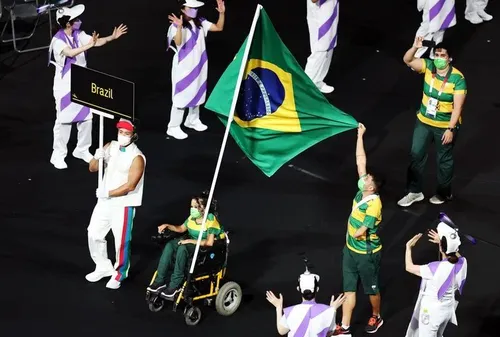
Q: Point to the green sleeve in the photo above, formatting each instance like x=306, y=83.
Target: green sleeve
x=461, y=85
x=370, y=221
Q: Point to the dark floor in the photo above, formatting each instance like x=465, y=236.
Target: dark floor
x=44, y=212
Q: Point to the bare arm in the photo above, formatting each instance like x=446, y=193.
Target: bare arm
x=360, y=232
x=410, y=267
x=219, y=26
x=178, y=36
x=458, y=104
x=281, y=329
x=94, y=163
x=360, y=155
x=209, y=242
x=103, y=40
x=134, y=176
x=177, y=229
x=409, y=58
x=72, y=52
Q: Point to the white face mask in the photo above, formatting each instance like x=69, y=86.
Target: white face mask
x=123, y=140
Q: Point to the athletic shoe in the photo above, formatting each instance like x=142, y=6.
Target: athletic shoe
x=113, y=284
x=485, y=16
x=155, y=287
x=177, y=133
x=169, y=293
x=438, y=200
x=197, y=125
x=410, y=198
x=97, y=275
x=340, y=331
x=374, y=323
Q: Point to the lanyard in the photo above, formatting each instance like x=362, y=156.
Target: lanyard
x=431, y=85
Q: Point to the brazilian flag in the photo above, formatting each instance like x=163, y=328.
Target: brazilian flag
x=280, y=112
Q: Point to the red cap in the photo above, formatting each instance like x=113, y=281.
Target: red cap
x=125, y=124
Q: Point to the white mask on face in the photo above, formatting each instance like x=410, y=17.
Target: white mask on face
x=123, y=140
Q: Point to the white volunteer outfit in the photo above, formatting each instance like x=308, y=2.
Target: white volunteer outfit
x=67, y=112
x=323, y=20
x=475, y=11
x=437, y=16
x=308, y=319
x=189, y=74
x=116, y=214
x=436, y=302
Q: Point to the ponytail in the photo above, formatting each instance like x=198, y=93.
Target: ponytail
x=452, y=258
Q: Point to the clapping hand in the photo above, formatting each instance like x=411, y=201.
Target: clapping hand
x=410, y=244
x=175, y=20
x=119, y=31
x=277, y=302
x=337, y=303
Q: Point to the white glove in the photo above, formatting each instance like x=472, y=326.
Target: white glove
x=99, y=154
x=101, y=193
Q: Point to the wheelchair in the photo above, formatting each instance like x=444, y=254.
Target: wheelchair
x=208, y=283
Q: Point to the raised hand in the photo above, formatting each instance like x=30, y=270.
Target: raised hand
x=175, y=20
x=337, y=303
x=221, y=7
x=277, y=302
x=361, y=129
x=433, y=237
x=413, y=241
x=418, y=42
x=119, y=31
x=95, y=37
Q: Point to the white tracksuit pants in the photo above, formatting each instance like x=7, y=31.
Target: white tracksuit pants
x=423, y=30
x=318, y=65
x=120, y=221
x=62, y=132
x=434, y=320
x=475, y=6
x=177, y=115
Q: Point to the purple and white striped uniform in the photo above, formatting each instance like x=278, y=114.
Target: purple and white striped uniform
x=308, y=319
x=189, y=65
x=68, y=112
x=323, y=20
x=441, y=14
x=440, y=281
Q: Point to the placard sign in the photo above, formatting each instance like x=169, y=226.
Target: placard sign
x=102, y=92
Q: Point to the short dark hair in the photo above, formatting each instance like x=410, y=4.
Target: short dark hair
x=308, y=295
x=378, y=180
x=444, y=46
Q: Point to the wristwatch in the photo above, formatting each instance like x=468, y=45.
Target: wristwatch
x=451, y=129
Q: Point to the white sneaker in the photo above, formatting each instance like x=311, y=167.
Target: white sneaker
x=437, y=200
x=59, y=164
x=410, y=198
x=485, y=16
x=325, y=88
x=198, y=126
x=474, y=19
x=113, y=284
x=85, y=156
x=98, y=275
x=177, y=133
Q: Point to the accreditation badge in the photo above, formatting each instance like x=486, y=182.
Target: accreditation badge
x=432, y=107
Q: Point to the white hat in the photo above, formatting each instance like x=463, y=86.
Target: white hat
x=193, y=3
x=452, y=238
x=308, y=281
x=72, y=12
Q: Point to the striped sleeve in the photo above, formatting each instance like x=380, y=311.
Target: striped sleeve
x=460, y=87
x=373, y=213
x=425, y=65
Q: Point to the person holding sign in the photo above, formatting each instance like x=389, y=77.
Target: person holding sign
x=186, y=37
x=117, y=199
x=69, y=46
x=362, y=252
x=436, y=303
x=438, y=121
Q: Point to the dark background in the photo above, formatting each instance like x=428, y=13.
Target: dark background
x=44, y=212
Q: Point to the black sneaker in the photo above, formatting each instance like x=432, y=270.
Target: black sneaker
x=340, y=331
x=374, y=323
x=155, y=287
x=169, y=293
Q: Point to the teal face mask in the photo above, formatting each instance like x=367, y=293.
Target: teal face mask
x=195, y=213
x=440, y=63
x=361, y=183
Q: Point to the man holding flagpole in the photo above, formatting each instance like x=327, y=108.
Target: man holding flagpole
x=117, y=199
x=322, y=19
x=437, y=16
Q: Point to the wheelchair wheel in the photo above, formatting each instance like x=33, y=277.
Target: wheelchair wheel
x=155, y=304
x=192, y=316
x=228, y=299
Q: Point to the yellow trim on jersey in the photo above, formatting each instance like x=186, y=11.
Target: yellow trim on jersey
x=363, y=252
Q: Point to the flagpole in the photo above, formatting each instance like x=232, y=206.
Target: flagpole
x=226, y=135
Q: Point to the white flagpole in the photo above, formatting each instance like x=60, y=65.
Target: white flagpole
x=226, y=134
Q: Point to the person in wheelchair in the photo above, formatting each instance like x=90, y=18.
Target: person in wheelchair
x=177, y=251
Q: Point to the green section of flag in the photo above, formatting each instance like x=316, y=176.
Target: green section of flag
x=280, y=112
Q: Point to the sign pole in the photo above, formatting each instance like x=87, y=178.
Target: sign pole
x=101, y=145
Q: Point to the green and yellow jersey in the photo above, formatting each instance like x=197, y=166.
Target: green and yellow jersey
x=369, y=215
